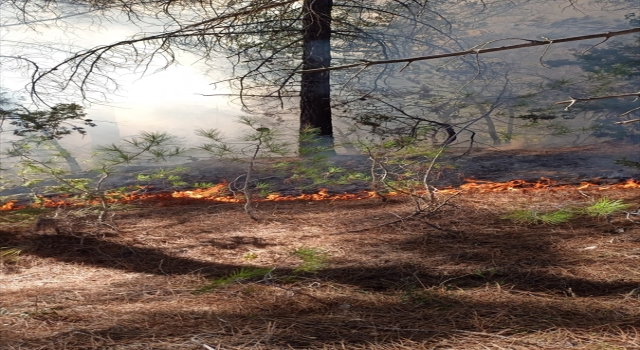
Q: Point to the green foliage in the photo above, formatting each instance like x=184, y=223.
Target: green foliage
x=486, y=274
x=555, y=217
x=20, y=215
x=317, y=170
x=558, y=128
x=624, y=161
x=619, y=59
x=313, y=259
x=9, y=255
x=601, y=208
x=404, y=164
x=314, y=166
x=147, y=146
x=203, y=185
x=258, y=142
x=217, y=147
x=81, y=185
x=605, y=207
x=533, y=217
x=171, y=176
x=62, y=119
x=311, y=169
x=241, y=275
x=556, y=84
x=250, y=256
x=38, y=169
x=506, y=136
x=264, y=189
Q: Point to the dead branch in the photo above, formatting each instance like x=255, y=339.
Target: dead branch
x=476, y=51
x=573, y=100
x=415, y=213
x=628, y=112
x=629, y=121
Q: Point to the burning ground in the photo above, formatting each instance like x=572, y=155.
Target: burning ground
x=331, y=274
x=188, y=269
x=597, y=164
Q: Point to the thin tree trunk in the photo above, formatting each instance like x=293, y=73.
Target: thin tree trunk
x=492, y=131
x=74, y=166
x=315, y=92
x=491, y=127
x=510, y=127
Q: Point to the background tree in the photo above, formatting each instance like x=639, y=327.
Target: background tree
x=268, y=42
x=315, y=88
x=18, y=123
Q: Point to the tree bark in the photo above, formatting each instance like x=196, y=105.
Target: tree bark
x=315, y=91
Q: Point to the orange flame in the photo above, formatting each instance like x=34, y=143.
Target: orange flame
x=10, y=205
x=544, y=183
x=220, y=194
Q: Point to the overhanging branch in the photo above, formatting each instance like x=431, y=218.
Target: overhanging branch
x=477, y=51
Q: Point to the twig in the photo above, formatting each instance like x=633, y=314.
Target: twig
x=545, y=52
x=629, y=121
x=587, y=50
x=478, y=71
x=627, y=112
x=352, y=77
x=386, y=223
x=415, y=213
x=425, y=179
x=443, y=203
x=573, y=100
x=629, y=213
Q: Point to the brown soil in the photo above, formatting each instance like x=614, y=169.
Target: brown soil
x=459, y=278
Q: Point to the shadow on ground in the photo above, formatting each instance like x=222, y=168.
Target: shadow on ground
x=457, y=275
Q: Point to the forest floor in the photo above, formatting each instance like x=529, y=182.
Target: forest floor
x=329, y=275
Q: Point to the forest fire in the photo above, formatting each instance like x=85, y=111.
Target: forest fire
x=542, y=184
x=220, y=193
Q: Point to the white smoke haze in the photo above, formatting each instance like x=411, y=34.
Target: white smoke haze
x=446, y=91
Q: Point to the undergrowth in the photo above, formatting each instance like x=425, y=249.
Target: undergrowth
x=313, y=260
x=242, y=275
x=532, y=217
x=604, y=207
x=9, y=254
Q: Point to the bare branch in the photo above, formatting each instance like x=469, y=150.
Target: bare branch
x=592, y=46
x=530, y=43
x=545, y=52
x=627, y=112
x=574, y=100
x=81, y=65
x=629, y=121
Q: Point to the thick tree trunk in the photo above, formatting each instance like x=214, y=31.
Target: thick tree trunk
x=315, y=92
